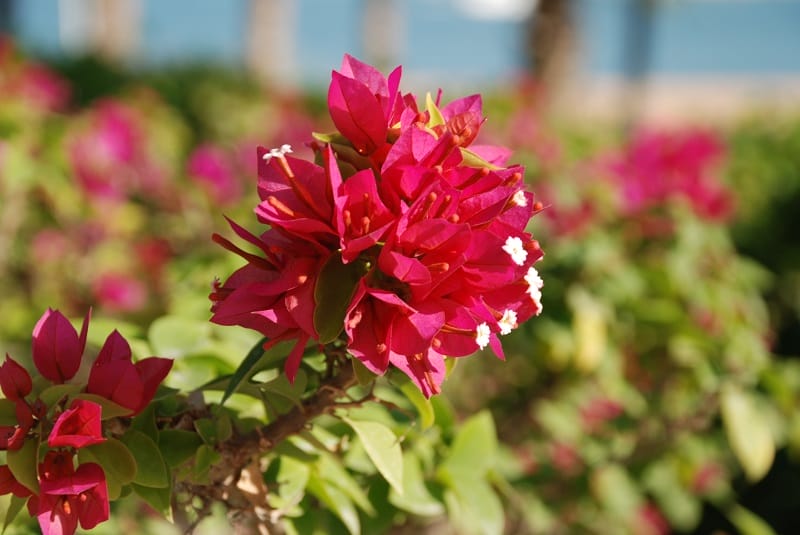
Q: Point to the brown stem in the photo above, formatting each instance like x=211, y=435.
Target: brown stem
x=245, y=450
x=294, y=421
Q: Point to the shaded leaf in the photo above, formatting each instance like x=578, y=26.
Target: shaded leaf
x=159, y=498
x=151, y=468
x=117, y=461
x=334, y=289
x=110, y=409
x=23, y=464
x=178, y=446
x=337, y=501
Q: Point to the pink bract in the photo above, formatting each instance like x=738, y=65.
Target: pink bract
x=57, y=347
x=78, y=426
x=418, y=232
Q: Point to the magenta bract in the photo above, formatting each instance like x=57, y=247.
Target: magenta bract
x=57, y=347
x=78, y=426
x=429, y=233
x=15, y=381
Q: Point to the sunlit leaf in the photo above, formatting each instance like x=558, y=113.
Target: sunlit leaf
x=416, y=499
x=747, y=522
x=15, y=505
x=473, y=451
x=176, y=336
x=748, y=432
x=383, y=449
x=245, y=369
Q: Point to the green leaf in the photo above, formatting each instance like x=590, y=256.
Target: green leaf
x=178, y=446
x=53, y=394
x=117, y=462
x=110, y=409
x=292, y=478
x=479, y=510
x=363, y=374
x=614, y=489
x=748, y=432
x=245, y=369
x=159, y=498
x=207, y=429
x=8, y=412
x=337, y=501
x=15, y=505
x=23, y=464
x=205, y=457
x=335, y=287
x=416, y=499
x=331, y=470
x=421, y=403
x=383, y=449
x=473, y=451
x=146, y=422
x=281, y=388
x=747, y=522
x=152, y=470
x=176, y=336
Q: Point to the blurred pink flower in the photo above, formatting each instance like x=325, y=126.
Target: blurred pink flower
x=659, y=167
x=117, y=292
x=211, y=167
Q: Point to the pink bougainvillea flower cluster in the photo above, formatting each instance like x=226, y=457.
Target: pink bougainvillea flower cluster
x=657, y=167
x=406, y=241
x=68, y=493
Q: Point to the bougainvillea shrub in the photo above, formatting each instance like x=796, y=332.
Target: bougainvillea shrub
x=379, y=254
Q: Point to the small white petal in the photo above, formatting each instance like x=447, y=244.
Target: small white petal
x=515, y=249
x=482, y=333
x=508, y=322
x=286, y=148
x=533, y=279
x=519, y=199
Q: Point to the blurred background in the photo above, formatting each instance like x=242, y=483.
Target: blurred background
x=659, y=392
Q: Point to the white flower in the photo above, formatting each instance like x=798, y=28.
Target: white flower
x=535, y=284
x=482, y=333
x=508, y=322
x=519, y=199
x=515, y=249
x=533, y=279
x=278, y=153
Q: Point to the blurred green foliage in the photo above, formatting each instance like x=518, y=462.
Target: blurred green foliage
x=647, y=392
